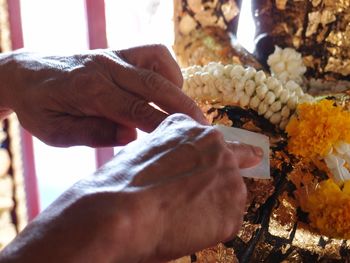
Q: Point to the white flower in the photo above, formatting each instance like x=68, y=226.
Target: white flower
x=287, y=64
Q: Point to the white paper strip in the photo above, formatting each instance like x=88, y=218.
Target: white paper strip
x=262, y=170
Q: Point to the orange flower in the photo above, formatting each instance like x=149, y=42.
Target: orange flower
x=316, y=128
x=329, y=209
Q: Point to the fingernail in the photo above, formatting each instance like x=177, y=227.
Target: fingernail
x=258, y=151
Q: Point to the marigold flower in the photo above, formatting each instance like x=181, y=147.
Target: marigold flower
x=329, y=209
x=316, y=128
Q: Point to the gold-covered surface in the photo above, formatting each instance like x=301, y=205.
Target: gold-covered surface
x=275, y=229
x=319, y=29
x=247, y=231
x=202, y=33
x=305, y=238
x=283, y=217
x=219, y=253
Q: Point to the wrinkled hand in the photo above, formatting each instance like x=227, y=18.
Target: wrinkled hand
x=94, y=99
x=175, y=192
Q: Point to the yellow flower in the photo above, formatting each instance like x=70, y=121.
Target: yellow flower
x=329, y=209
x=316, y=128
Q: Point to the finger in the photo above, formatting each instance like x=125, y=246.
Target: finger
x=152, y=87
x=156, y=58
x=179, y=124
x=129, y=110
x=245, y=155
x=89, y=131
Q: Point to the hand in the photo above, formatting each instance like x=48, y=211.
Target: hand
x=174, y=193
x=94, y=99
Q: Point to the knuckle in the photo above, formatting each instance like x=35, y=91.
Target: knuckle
x=214, y=138
x=214, y=134
x=179, y=117
x=101, y=58
x=208, y=144
x=183, y=125
x=195, y=130
x=152, y=81
x=85, y=62
x=138, y=108
x=142, y=112
x=160, y=49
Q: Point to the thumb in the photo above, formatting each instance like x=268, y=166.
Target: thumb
x=246, y=155
x=90, y=131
